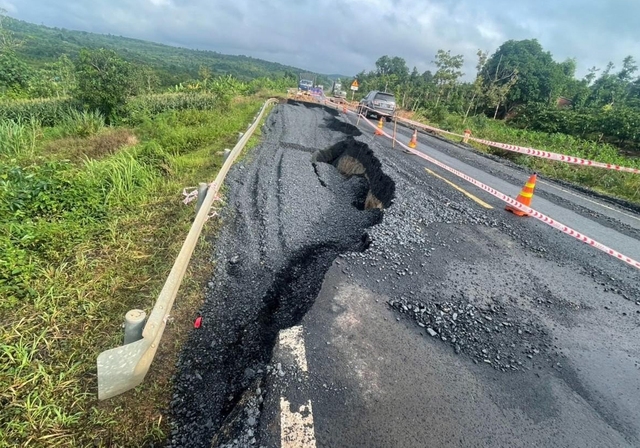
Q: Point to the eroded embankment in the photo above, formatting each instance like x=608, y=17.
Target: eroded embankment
x=291, y=212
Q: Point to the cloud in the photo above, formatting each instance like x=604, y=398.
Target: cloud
x=8, y=6
x=346, y=36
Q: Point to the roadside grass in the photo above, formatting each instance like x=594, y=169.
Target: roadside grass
x=621, y=185
x=85, y=235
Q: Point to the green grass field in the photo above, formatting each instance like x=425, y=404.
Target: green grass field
x=621, y=185
x=91, y=220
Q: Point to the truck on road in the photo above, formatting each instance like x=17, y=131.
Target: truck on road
x=306, y=82
x=337, y=90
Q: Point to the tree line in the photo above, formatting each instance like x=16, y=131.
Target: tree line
x=104, y=80
x=40, y=62
x=522, y=83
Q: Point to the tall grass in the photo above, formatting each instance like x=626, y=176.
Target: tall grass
x=48, y=112
x=18, y=138
x=139, y=108
x=498, y=131
x=622, y=185
x=121, y=177
x=81, y=123
x=82, y=243
x=55, y=111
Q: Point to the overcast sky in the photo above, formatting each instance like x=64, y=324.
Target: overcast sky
x=347, y=36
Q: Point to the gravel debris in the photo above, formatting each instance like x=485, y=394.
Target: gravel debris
x=506, y=347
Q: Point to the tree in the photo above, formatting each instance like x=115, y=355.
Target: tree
x=65, y=75
x=448, y=72
x=629, y=67
x=391, y=72
x=7, y=41
x=499, y=90
x=146, y=79
x=392, y=66
x=610, y=89
x=540, y=78
x=478, y=85
x=591, y=76
x=204, y=74
x=104, y=80
x=14, y=74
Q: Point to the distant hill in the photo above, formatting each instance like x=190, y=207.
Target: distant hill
x=43, y=44
x=343, y=78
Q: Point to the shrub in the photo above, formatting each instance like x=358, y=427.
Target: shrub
x=434, y=114
x=48, y=192
x=82, y=124
x=153, y=155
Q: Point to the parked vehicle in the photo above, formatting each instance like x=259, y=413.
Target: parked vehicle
x=305, y=85
x=380, y=104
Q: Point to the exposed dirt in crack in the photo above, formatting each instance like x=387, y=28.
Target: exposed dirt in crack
x=354, y=158
x=290, y=214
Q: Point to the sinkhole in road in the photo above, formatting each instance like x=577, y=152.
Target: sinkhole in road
x=353, y=158
x=255, y=297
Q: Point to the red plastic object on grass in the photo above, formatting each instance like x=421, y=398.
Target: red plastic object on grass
x=198, y=322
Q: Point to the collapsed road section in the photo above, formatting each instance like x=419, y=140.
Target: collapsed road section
x=303, y=197
x=416, y=312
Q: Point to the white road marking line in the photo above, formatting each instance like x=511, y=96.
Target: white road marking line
x=296, y=428
x=292, y=339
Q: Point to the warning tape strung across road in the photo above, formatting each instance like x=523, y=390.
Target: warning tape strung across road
x=524, y=150
x=530, y=151
x=540, y=216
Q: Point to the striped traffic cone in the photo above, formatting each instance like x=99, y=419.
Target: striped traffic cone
x=380, y=127
x=525, y=196
x=414, y=139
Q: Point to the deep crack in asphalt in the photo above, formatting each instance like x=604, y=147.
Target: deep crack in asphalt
x=489, y=286
x=277, y=243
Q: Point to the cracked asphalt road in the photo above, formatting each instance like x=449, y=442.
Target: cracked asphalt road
x=435, y=322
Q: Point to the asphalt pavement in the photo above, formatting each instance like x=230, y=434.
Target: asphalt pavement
x=361, y=300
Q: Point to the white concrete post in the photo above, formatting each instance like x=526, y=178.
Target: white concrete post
x=133, y=325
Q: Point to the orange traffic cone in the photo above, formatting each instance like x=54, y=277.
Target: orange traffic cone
x=525, y=196
x=414, y=139
x=380, y=127
x=344, y=109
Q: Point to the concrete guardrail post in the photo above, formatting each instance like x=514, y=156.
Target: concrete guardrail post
x=202, y=193
x=133, y=325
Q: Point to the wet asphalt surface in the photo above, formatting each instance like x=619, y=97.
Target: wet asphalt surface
x=432, y=322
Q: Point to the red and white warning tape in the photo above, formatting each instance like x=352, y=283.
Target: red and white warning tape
x=536, y=214
x=530, y=151
x=189, y=196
